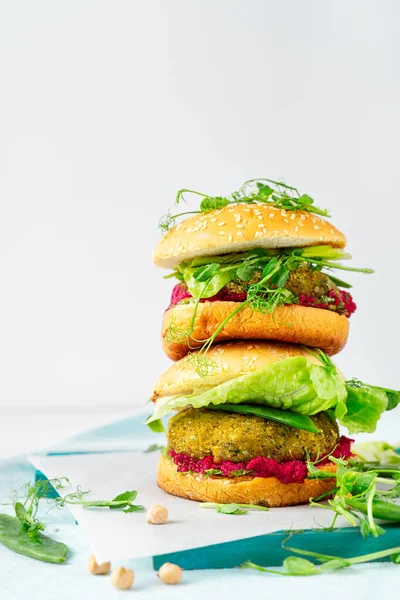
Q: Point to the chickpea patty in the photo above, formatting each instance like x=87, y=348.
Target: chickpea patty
x=229, y=436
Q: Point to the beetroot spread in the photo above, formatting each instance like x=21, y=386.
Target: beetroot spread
x=294, y=471
x=336, y=300
x=341, y=301
x=181, y=293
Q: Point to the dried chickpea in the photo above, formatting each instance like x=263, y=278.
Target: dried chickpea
x=96, y=569
x=157, y=514
x=122, y=578
x=170, y=574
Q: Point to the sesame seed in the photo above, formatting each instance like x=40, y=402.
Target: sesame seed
x=239, y=233
x=286, y=220
x=259, y=217
x=271, y=215
x=285, y=231
x=261, y=225
x=257, y=234
x=316, y=227
x=221, y=232
x=296, y=229
x=239, y=226
x=222, y=223
x=236, y=215
x=230, y=238
x=302, y=217
x=214, y=219
x=249, y=347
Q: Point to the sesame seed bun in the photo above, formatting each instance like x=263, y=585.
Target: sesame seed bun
x=313, y=327
x=232, y=359
x=241, y=227
x=262, y=491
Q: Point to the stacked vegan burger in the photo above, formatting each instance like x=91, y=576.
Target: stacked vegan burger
x=256, y=312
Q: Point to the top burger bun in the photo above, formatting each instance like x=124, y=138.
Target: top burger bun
x=241, y=227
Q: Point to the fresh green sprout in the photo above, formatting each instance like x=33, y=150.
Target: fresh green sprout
x=232, y=508
x=300, y=567
x=263, y=296
x=26, y=507
x=357, y=497
x=253, y=191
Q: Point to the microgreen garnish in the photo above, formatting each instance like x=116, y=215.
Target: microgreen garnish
x=297, y=566
x=206, y=276
x=23, y=533
x=26, y=509
x=253, y=191
x=357, y=497
x=233, y=508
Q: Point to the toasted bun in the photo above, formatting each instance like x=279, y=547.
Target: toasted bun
x=232, y=359
x=313, y=327
x=241, y=227
x=263, y=491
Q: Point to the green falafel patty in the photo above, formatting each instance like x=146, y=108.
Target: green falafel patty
x=235, y=437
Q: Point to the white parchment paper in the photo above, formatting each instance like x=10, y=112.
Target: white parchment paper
x=114, y=535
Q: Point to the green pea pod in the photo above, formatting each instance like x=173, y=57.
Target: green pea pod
x=380, y=509
x=287, y=417
x=15, y=537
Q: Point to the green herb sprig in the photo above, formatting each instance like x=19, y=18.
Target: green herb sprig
x=253, y=191
x=232, y=508
x=357, y=497
x=23, y=533
x=207, y=276
x=300, y=567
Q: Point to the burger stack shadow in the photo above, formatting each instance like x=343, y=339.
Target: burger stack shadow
x=258, y=307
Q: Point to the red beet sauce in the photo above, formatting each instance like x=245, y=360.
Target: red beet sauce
x=294, y=471
x=342, y=302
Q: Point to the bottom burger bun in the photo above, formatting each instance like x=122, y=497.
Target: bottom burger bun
x=313, y=327
x=262, y=491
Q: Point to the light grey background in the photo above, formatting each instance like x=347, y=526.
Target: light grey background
x=108, y=107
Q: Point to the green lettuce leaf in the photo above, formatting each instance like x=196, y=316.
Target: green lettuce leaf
x=364, y=408
x=291, y=384
x=198, y=289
